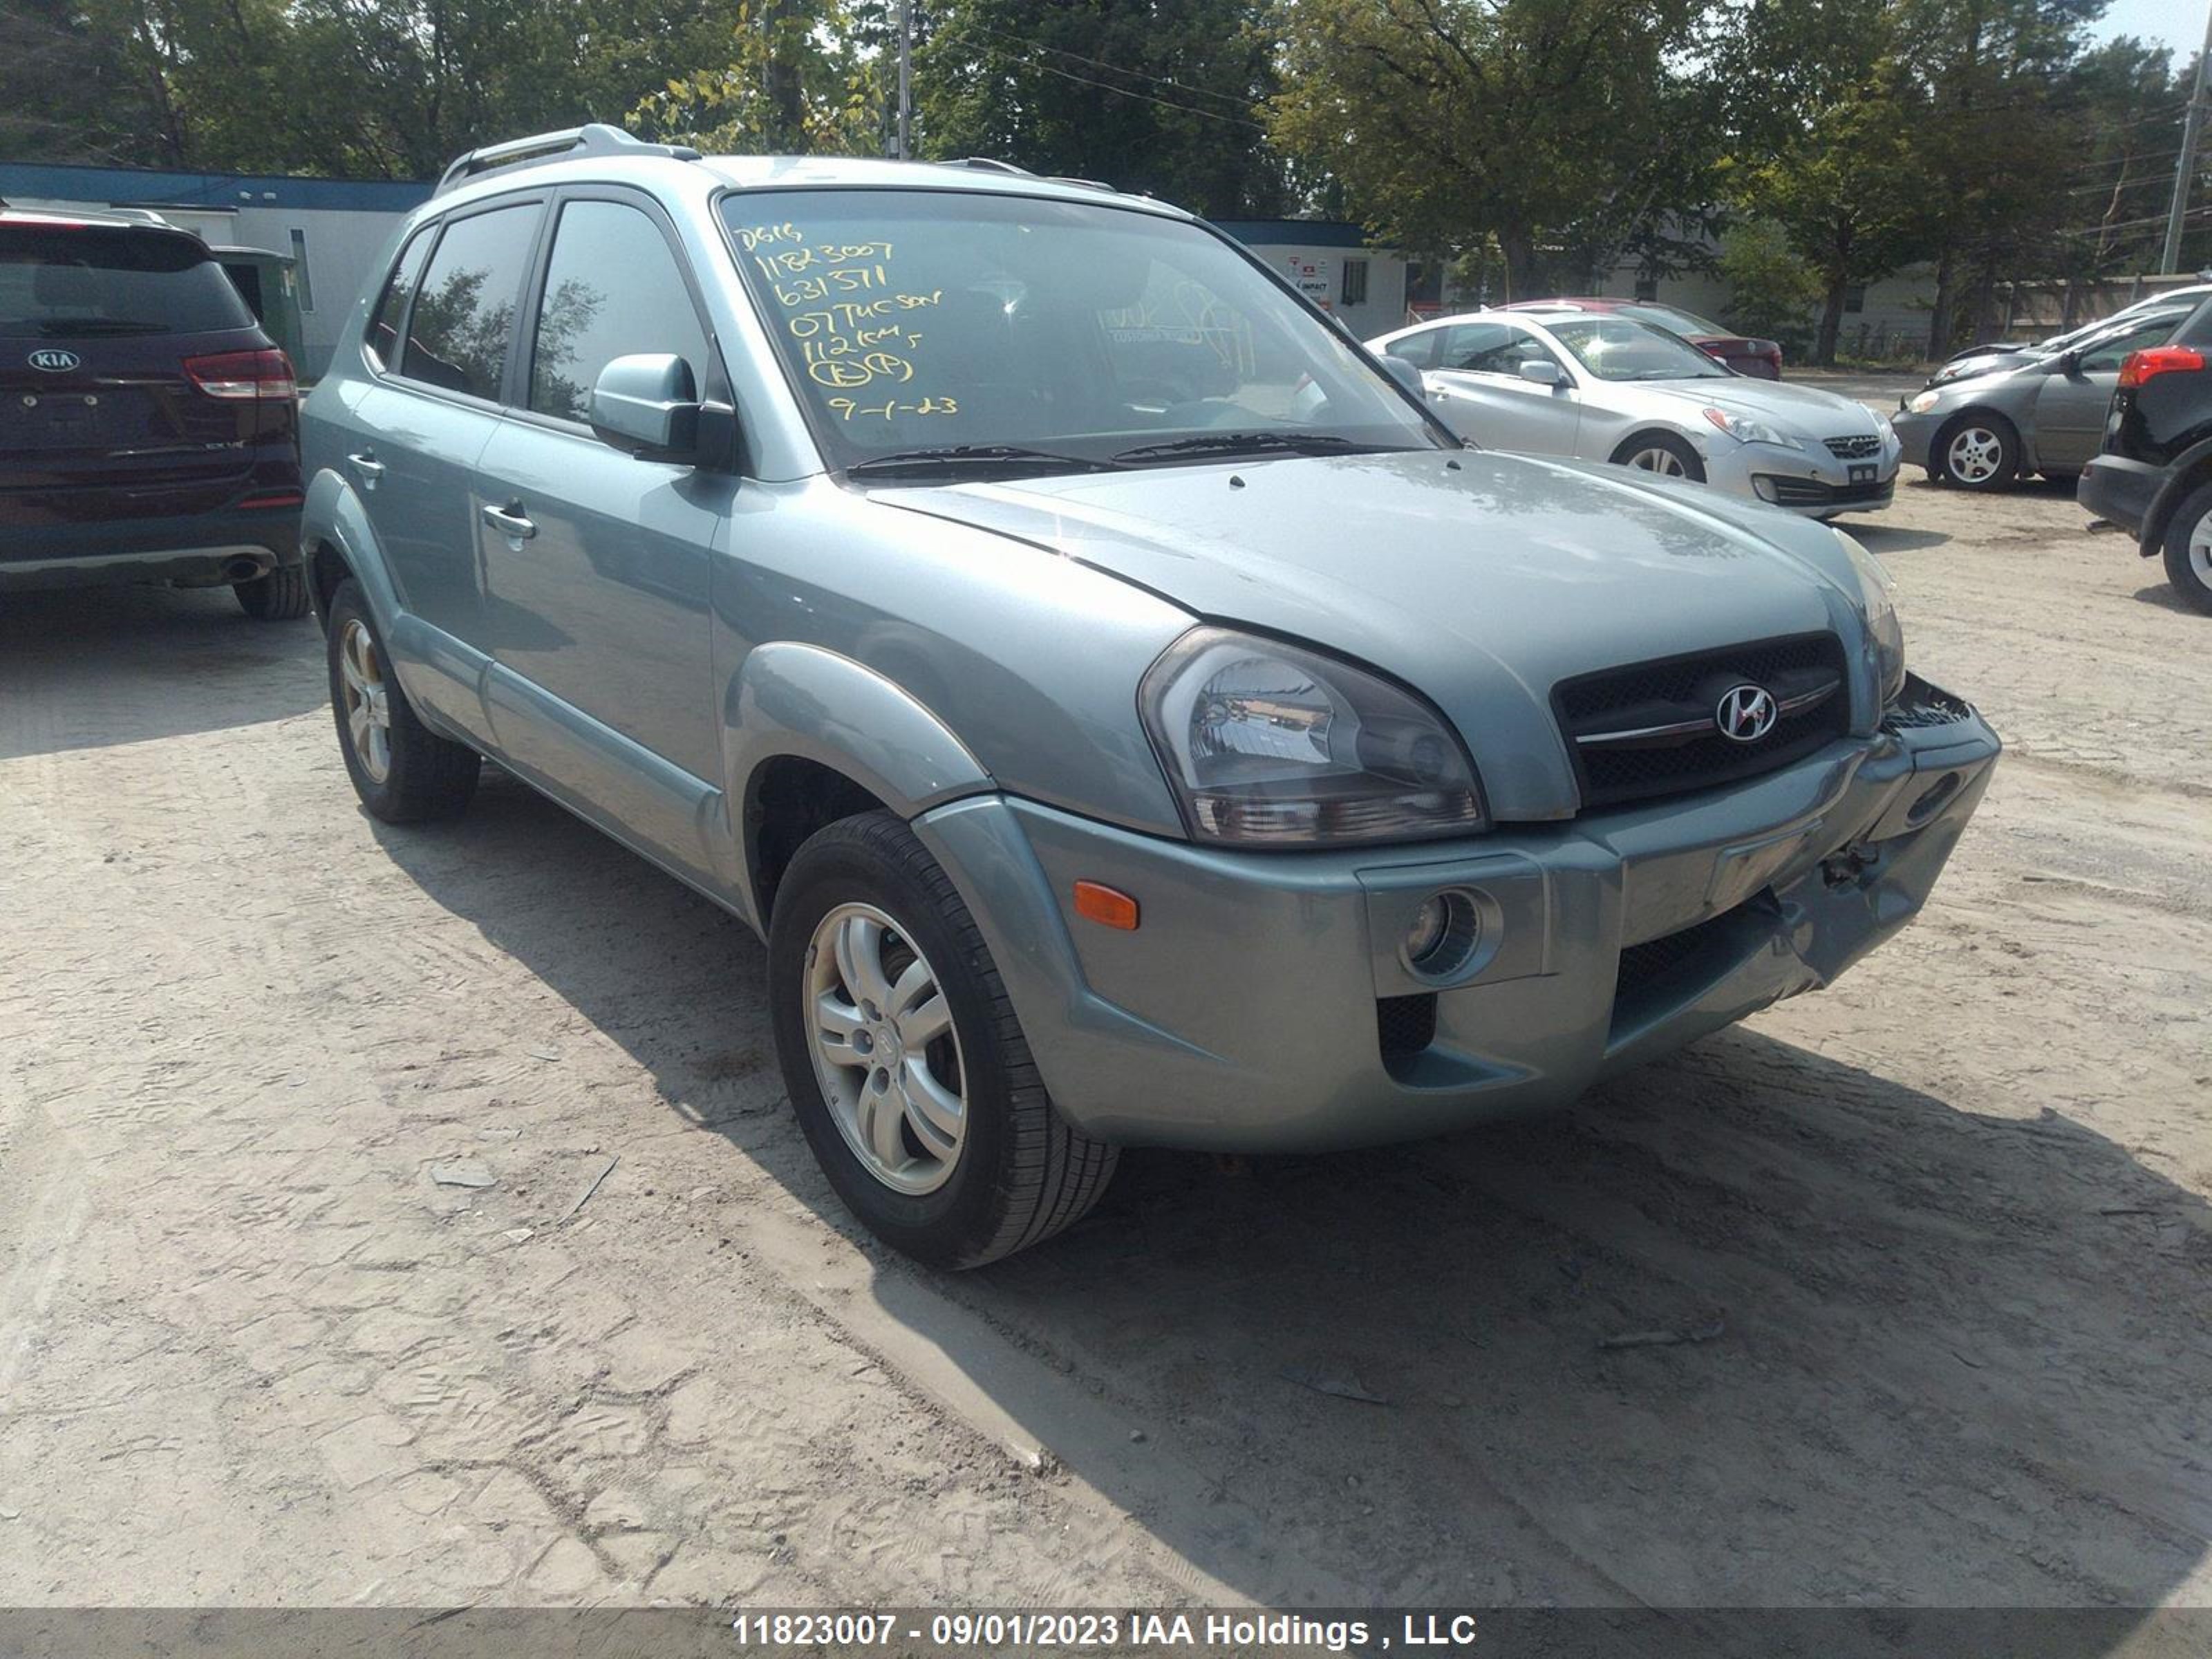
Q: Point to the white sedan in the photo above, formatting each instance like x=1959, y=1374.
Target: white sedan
x=1600, y=386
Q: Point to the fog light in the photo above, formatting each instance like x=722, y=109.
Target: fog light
x=1443, y=935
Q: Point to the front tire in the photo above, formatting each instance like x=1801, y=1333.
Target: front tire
x=279, y=595
x=2189, y=549
x=906, y=1066
x=404, y=772
x=1976, y=452
x=1663, y=453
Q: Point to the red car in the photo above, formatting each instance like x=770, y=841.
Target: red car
x=1758, y=358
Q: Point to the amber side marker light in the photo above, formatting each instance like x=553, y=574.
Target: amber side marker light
x=1107, y=905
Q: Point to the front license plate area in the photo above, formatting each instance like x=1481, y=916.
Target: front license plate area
x=1862, y=475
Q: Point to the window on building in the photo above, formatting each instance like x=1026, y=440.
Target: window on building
x=1647, y=288
x=305, y=281
x=1855, y=297
x=1355, y=282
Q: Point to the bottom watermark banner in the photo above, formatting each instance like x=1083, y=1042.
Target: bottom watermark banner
x=1072, y=1633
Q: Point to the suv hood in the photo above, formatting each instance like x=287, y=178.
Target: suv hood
x=1480, y=579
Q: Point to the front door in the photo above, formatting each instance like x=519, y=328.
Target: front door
x=2077, y=392
x=1478, y=388
x=595, y=563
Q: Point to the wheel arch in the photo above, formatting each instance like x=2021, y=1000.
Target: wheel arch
x=2186, y=473
x=1644, y=433
x=810, y=736
x=340, y=542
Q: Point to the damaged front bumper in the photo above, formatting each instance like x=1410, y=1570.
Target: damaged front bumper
x=1265, y=1002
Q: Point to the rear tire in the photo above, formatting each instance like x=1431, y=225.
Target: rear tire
x=2189, y=549
x=1976, y=451
x=1661, y=453
x=279, y=596
x=888, y=1012
x=404, y=772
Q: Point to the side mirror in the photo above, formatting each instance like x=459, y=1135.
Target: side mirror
x=1405, y=373
x=2070, y=364
x=1542, y=370
x=648, y=406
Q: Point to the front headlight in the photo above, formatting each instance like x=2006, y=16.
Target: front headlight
x=1921, y=402
x=1270, y=745
x=1744, y=429
x=1885, y=630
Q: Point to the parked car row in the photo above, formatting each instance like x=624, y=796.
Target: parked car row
x=2154, y=478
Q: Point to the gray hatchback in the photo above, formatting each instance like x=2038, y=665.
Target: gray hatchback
x=1128, y=716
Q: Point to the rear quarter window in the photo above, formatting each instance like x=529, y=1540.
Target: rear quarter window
x=75, y=282
x=391, y=313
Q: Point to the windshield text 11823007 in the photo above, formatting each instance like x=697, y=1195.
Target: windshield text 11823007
x=988, y=329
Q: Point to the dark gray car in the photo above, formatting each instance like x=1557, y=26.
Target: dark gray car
x=1129, y=716
x=2041, y=413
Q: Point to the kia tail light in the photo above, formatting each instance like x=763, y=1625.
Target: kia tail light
x=245, y=376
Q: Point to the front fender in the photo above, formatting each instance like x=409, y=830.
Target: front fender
x=791, y=700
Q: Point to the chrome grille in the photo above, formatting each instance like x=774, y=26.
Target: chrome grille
x=1855, y=449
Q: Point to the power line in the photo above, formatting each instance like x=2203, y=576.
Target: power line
x=1164, y=103
x=1100, y=62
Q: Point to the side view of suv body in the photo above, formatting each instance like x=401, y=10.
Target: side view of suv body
x=148, y=428
x=2154, y=478
x=1128, y=716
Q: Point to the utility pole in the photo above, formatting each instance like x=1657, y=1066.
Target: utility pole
x=906, y=82
x=2186, y=175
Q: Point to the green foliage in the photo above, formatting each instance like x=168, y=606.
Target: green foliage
x=795, y=79
x=1542, y=122
x=1153, y=96
x=1770, y=289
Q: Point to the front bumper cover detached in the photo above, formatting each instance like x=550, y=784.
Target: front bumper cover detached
x=1263, y=1003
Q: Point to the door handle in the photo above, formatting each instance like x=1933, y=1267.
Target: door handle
x=369, y=467
x=510, y=520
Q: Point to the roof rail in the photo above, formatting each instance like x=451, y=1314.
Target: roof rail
x=986, y=164
x=595, y=139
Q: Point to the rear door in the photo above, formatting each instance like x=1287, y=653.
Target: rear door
x=440, y=346
x=130, y=383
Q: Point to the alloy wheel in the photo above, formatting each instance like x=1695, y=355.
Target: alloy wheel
x=1974, y=455
x=367, y=700
x=884, y=1049
x=1665, y=462
x=2200, y=551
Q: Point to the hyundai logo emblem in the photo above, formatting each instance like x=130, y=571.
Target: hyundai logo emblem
x=55, y=362
x=1745, y=713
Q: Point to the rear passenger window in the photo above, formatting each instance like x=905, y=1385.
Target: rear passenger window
x=463, y=317
x=391, y=308
x=612, y=288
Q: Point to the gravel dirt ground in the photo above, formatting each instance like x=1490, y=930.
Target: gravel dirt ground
x=307, y=1295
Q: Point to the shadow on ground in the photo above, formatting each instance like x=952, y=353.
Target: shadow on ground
x=77, y=667
x=1878, y=1351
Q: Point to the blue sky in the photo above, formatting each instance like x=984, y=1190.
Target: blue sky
x=2176, y=23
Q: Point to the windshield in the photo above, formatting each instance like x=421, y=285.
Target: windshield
x=1617, y=348
x=988, y=330
x=68, y=281
x=1679, y=322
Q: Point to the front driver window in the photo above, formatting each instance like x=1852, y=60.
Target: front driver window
x=612, y=289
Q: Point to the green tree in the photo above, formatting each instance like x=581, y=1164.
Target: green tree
x=1539, y=122
x=794, y=78
x=1162, y=96
x=1770, y=289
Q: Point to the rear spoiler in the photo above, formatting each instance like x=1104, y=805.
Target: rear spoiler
x=596, y=139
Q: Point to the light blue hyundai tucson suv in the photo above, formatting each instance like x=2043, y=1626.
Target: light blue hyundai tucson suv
x=1128, y=717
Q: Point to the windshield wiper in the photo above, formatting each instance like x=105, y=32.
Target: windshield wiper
x=1247, y=443
x=947, y=457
